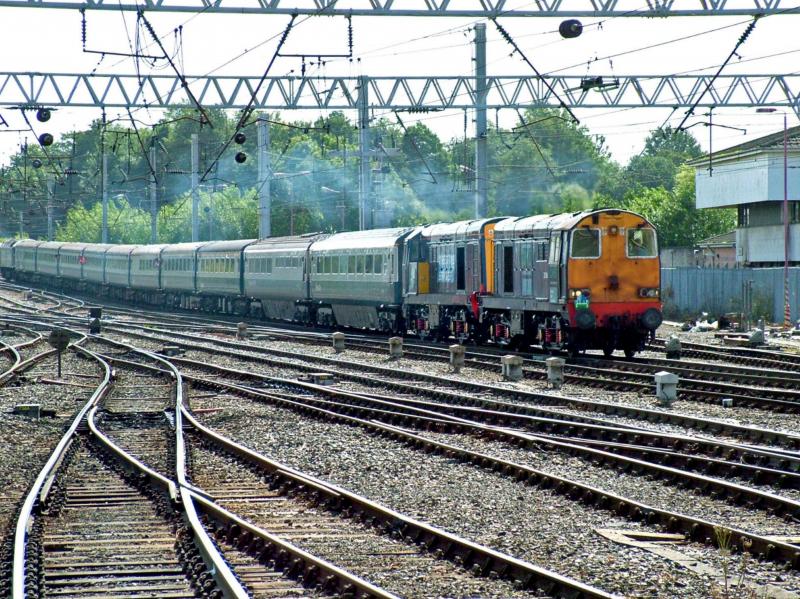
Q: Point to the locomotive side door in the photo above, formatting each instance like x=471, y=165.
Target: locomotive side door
x=540, y=281
x=554, y=267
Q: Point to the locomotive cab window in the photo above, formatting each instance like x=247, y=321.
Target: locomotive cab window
x=641, y=243
x=585, y=243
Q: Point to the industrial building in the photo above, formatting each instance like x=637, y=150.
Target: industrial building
x=754, y=178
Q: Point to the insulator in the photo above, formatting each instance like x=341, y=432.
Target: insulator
x=570, y=28
x=46, y=139
x=36, y=163
x=240, y=157
x=43, y=115
x=240, y=138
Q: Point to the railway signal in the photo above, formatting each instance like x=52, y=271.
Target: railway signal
x=59, y=340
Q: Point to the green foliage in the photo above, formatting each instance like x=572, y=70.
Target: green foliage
x=226, y=214
x=665, y=150
x=126, y=224
x=547, y=164
x=674, y=215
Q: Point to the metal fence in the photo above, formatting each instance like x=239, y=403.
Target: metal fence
x=758, y=292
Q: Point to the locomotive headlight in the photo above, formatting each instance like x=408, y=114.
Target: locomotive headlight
x=576, y=293
x=648, y=292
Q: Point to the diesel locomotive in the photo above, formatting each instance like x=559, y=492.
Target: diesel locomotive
x=575, y=281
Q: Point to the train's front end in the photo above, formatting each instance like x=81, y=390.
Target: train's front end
x=613, y=281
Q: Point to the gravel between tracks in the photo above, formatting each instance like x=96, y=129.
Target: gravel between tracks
x=355, y=547
x=488, y=508
x=656, y=493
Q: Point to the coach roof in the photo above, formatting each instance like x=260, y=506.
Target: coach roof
x=355, y=240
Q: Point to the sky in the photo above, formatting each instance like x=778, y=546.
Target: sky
x=49, y=40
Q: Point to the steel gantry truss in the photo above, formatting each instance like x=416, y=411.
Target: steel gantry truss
x=396, y=93
x=440, y=8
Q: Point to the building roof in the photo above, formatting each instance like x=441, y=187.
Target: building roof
x=768, y=143
x=724, y=240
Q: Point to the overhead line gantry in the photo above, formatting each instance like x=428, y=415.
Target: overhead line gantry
x=479, y=9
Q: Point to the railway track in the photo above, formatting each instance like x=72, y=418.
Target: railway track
x=695, y=528
x=102, y=534
x=351, y=408
x=454, y=390
x=774, y=389
x=215, y=493
x=499, y=420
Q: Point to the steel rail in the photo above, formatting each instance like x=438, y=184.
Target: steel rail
x=595, y=372
x=37, y=494
x=695, y=528
x=655, y=416
x=272, y=544
x=14, y=348
x=488, y=559
x=740, y=355
x=385, y=409
x=760, y=464
x=223, y=575
x=131, y=461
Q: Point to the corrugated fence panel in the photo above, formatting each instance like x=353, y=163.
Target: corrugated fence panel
x=716, y=290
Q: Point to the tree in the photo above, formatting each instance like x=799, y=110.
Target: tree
x=665, y=150
x=226, y=214
x=126, y=224
x=678, y=222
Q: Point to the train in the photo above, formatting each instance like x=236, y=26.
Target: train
x=565, y=282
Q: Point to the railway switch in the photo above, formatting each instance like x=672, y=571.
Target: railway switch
x=338, y=342
x=672, y=347
x=395, y=348
x=666, y=387
x=457, y=357
x=512, y=367
x=555, y=372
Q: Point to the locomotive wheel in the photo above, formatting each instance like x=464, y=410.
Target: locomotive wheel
x=629, y=352
x=608, y=350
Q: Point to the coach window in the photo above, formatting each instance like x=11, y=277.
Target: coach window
x=351, y=265
x=378, y=264
x=360, y=264
x=641, y=243
x=368, y=264
x=585, y=243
